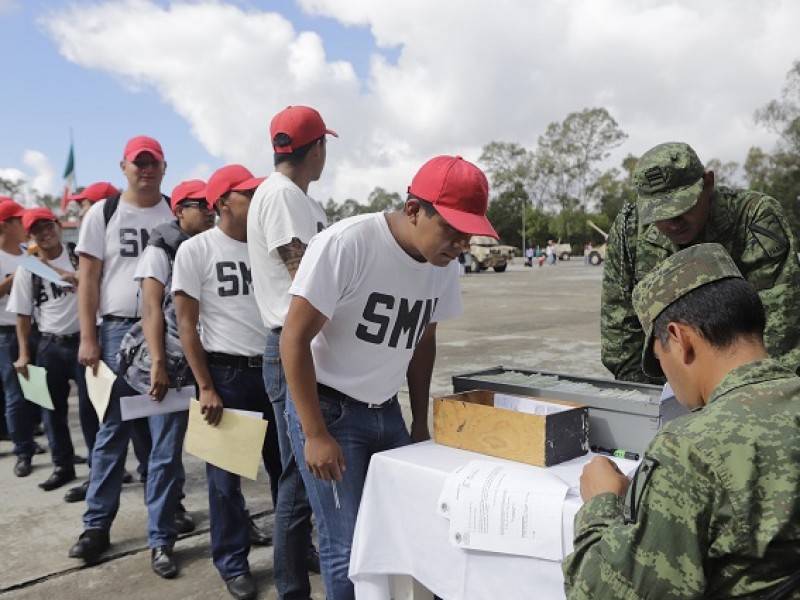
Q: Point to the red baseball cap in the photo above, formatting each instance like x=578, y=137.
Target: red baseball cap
x=32, y=215
x=95, y=192
x=10, y=210
x=229, y=178
x=295, y=127
x=142, y=143
x=5, y=199
x=459, y=191
x=193, y=189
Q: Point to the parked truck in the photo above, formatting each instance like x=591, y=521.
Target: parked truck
x=597, y=255
x=488, y=253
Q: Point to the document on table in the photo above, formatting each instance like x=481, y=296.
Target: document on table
x=98, y=387
x=37, y=267
x=234, y=445
x=529, y=406
x=134, y=407
x=506, y=508
x=34, y=388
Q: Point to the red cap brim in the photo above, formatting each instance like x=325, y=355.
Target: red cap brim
x=467, y=222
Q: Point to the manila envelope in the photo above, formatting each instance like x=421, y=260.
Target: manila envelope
x=234, y=445
x=99, y=387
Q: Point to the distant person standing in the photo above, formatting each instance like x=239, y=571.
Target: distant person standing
x=212, y=285
x=113, y=235
x=528, y=256
x=57, y=349
x=282, y=220
x=91, y=194
x=18, y=414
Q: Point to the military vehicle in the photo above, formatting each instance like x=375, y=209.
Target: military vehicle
x=487, y=253
x=597, y=255
x=563, y=250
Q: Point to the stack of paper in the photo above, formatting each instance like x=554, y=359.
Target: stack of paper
x=505, y=508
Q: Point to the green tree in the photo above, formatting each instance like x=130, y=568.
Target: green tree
x=379, y=200
x=509, y=165
x=568, y=153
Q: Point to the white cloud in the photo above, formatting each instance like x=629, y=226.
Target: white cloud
x=468, y=72
x=39, y=179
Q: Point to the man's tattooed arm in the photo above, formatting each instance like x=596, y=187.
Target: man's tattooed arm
x=291, y=254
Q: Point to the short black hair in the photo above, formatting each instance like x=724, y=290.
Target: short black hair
x=721, y=312
x=295, y=157
x=428, y=208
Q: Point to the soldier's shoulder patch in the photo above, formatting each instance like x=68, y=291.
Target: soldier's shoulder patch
x=769, y=236
x=630, y=506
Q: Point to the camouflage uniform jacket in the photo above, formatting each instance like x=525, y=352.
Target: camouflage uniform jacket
x=713, y=509
x=753, y=230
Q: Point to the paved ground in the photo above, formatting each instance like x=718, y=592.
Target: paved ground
x=541, y=318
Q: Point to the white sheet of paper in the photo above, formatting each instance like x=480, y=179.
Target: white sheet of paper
x=508, y=509
x=134, y=407
x=666, y=393
x=234, y=445
x=530, y=406
x=37, y=267
x=99, y=388
x=570, y=471
x=34, y=388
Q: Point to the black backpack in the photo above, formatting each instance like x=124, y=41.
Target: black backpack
x=133, y=358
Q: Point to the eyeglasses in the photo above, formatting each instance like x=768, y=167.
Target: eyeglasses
x=198, y=204
x=145, y=164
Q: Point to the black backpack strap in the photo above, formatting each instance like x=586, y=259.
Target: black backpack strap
x=110, y=207
x=73, y=257
x=112, y=203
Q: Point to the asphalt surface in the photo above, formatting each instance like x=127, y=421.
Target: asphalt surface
x=532, y=318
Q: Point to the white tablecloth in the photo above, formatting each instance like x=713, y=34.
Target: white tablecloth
x=399, y=532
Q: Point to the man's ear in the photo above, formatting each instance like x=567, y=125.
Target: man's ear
x=708, y=179
x=412, y=209
x=684, y=340
x=122, y=165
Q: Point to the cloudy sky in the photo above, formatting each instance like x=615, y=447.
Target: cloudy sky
x=400, y=80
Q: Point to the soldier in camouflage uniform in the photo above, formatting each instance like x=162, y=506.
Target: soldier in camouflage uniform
x=679, y=206
x=712, y=511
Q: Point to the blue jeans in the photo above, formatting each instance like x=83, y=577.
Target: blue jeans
x=111, y=334
x=291, y=537
x=165, y=475
x=241, y=388
x=60, y=359
x=18, y=410
x=360, y=431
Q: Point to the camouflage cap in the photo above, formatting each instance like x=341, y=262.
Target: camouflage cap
x=678, y=275
x=669, y=179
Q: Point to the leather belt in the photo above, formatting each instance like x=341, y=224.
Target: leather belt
x=118, y=319
x=233, y=360
x=69, y=338
x=329, y=392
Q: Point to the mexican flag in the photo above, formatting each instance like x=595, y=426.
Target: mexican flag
x=69, y=178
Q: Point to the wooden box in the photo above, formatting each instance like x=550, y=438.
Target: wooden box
x=504, y=425
x=614, y=422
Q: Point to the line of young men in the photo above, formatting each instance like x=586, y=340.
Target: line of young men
x=371, y=315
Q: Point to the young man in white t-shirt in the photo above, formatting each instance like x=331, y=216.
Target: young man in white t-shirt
x=109, y=247
x=281, y=221
x=57, y=348
x=17, y=410
x=212, y=287
x=165, y=473
x=366, y=300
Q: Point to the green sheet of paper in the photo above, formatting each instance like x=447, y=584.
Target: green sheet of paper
x=34, y=388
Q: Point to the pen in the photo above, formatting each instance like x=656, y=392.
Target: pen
x=615, y=452
x=335, y=494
